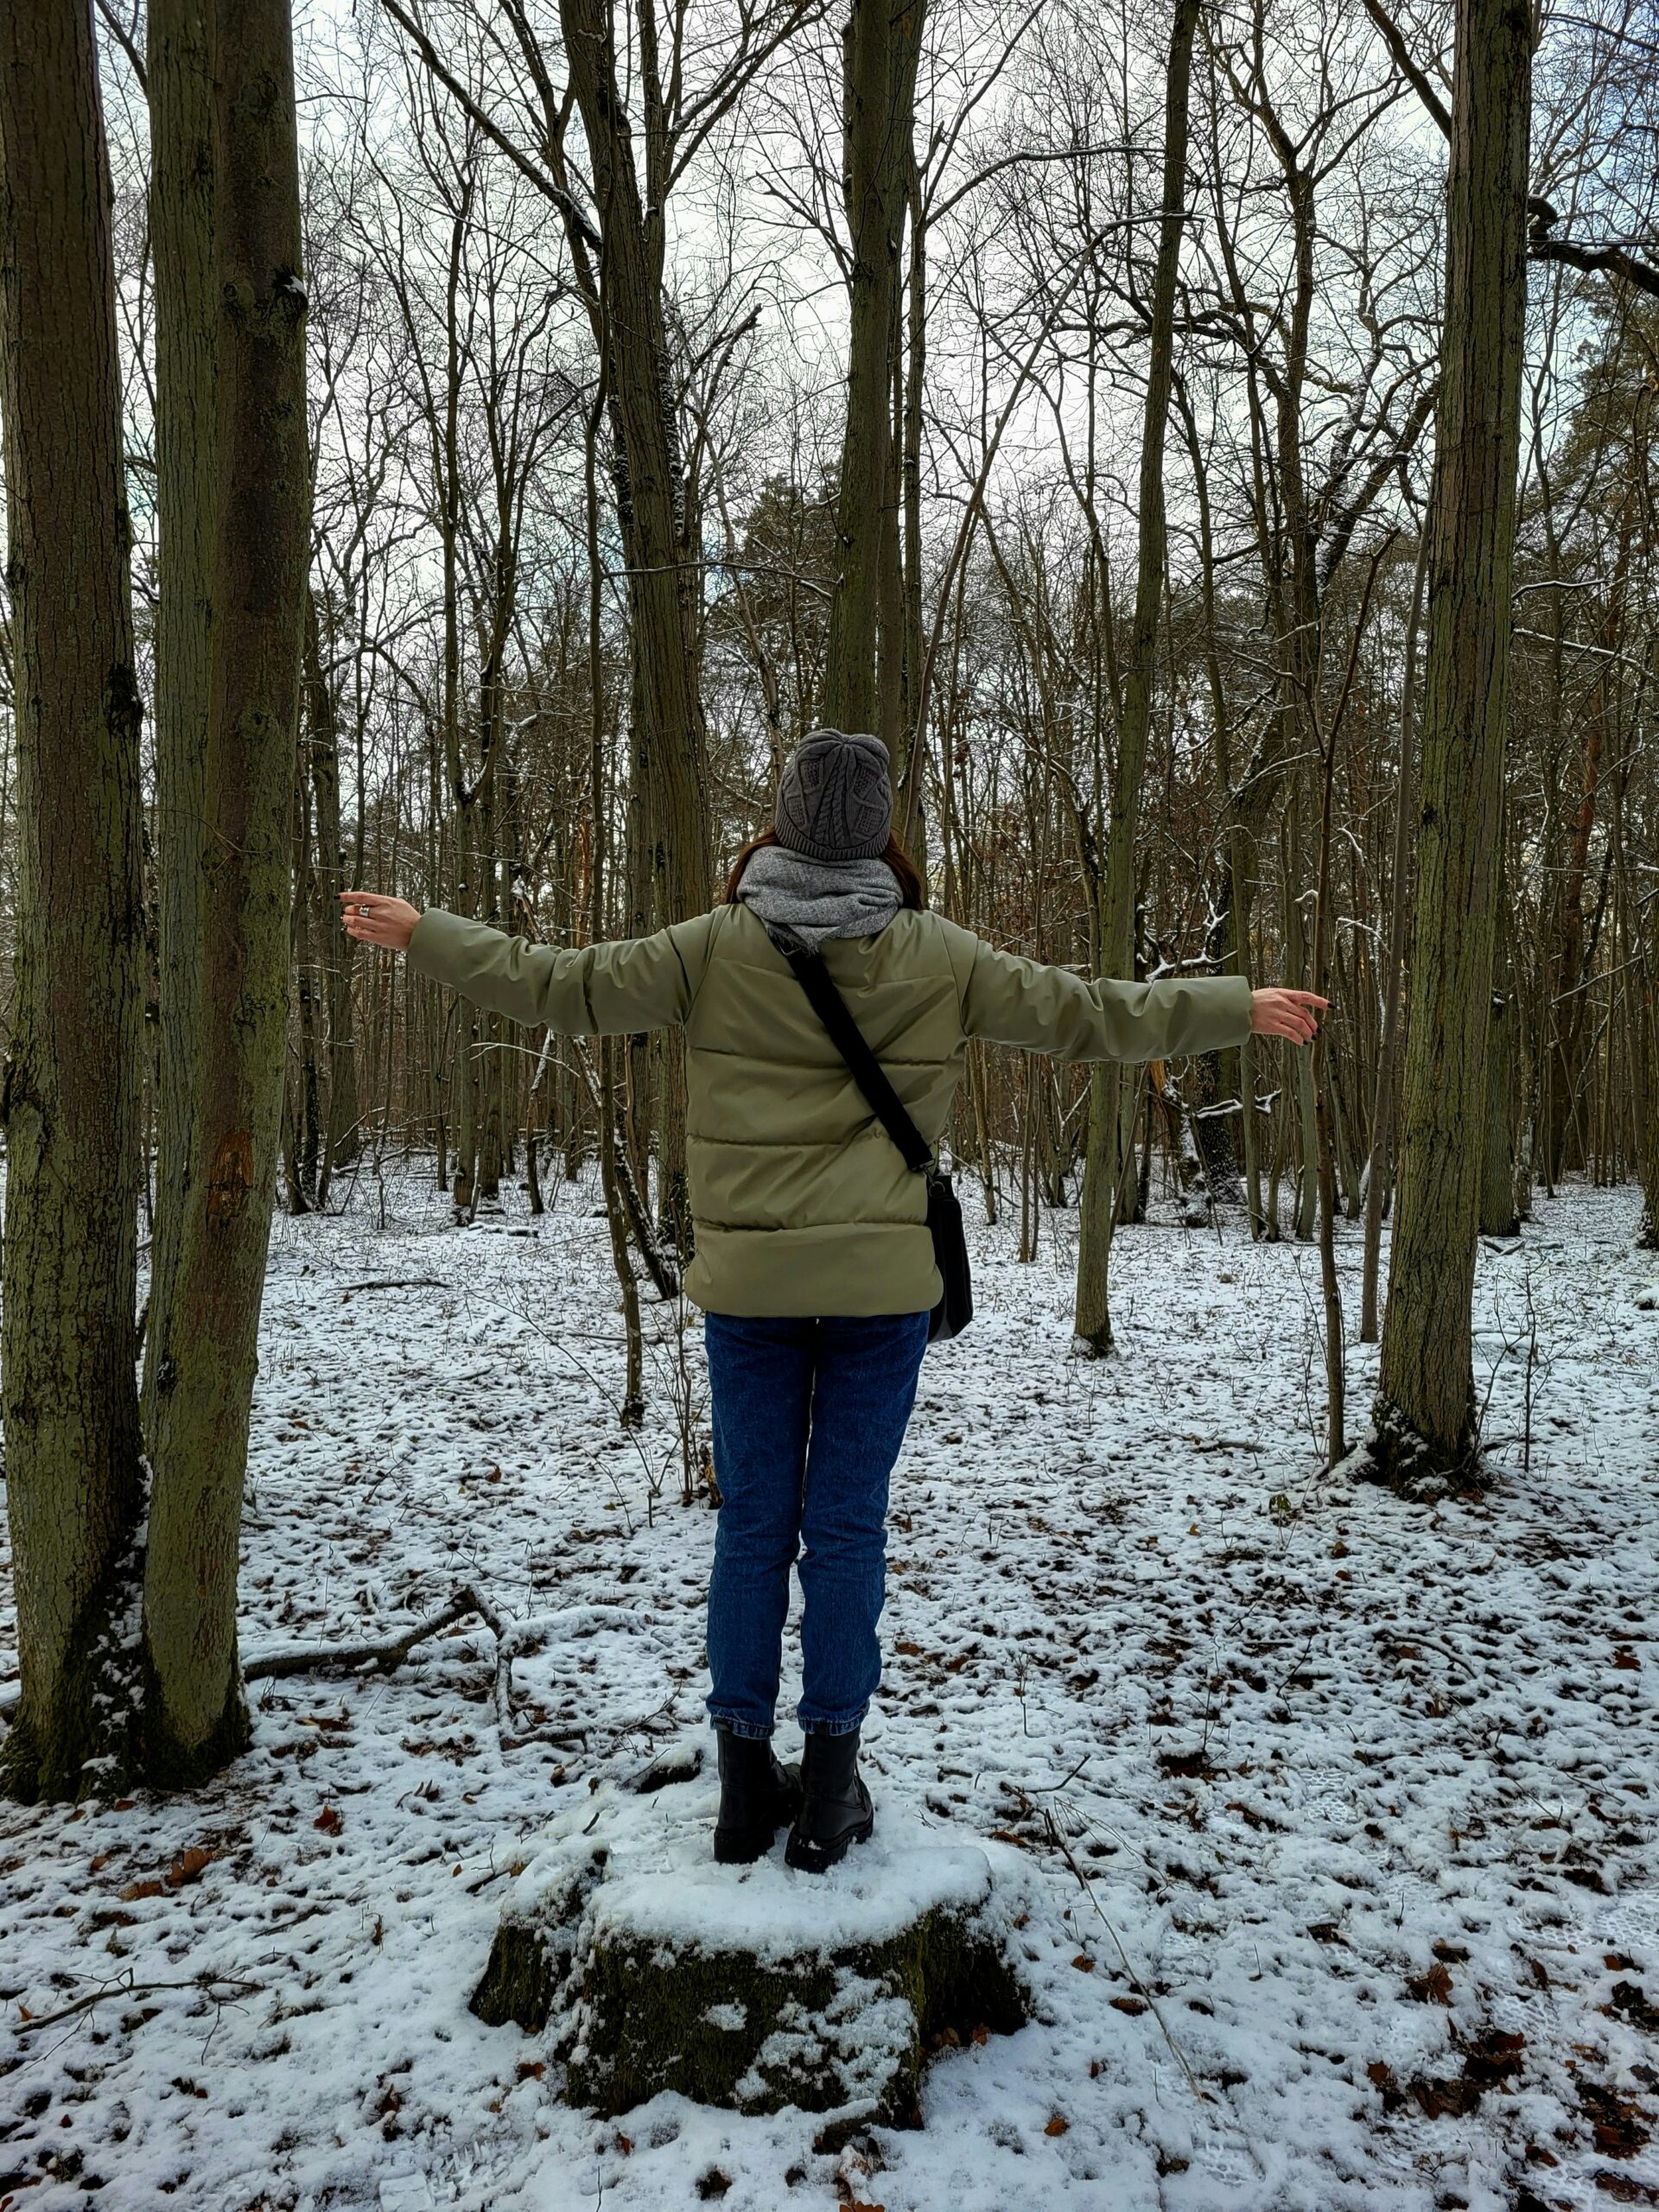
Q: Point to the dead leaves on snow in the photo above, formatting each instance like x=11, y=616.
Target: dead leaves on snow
x=188, y=1866
x=1490, y=2058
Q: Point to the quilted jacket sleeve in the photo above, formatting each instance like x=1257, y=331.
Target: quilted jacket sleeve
x=609, y=989
x=1010, y=1000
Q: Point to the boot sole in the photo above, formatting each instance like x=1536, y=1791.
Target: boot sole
x=742, y=1847
x=808, y=1858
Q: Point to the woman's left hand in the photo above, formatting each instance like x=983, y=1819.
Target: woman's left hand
x=1279, y=1013
x=374, y=920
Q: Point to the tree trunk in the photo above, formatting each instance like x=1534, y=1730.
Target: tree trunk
x=880, y=48
x=70, y=1104
x=182, y=184
x=322, y=732
x=1648, y=1233
x=1425, y=1411
x=1110, y=1132
x=309, y=1135
x=1393, y=967
x=227, y=1024
x=668, y=743
x=1498, y=1215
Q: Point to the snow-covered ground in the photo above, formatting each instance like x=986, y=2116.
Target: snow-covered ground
x=1358, y=1793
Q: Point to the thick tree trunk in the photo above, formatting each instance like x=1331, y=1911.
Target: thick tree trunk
x=1110, y=1130
x=229, y=1023
x=668, y=743
x=71, y=1099
x=881, y=44
x=1425, y=1411
x=182, y=185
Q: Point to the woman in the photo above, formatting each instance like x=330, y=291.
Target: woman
x=813, y=1264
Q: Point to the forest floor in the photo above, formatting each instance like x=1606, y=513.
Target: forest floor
x=1361, y=1791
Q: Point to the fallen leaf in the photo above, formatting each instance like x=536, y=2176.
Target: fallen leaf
x=187, y=1866
x=1133, y=2005
x=1083, y=1963
x=1057, y=2125
x=1433, y=1987
x=328, y=1820
x=1624, y=2188
x=1616, y=2121
x=140, y=1890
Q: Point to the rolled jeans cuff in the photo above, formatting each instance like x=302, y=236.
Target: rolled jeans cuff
x=756, y=1732
x=839, y=1724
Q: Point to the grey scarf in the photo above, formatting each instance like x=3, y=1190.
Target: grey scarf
x=801, y=901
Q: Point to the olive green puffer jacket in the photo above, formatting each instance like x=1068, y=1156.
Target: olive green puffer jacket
x=801, y=1202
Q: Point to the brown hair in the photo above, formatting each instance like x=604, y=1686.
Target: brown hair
x=912, y=891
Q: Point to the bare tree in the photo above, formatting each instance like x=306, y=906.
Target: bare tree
x=74, y=1492
x=225, y=829
x=1425, y=1411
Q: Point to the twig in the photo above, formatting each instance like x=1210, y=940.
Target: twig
x=128, y=1987
x=1057, y=1839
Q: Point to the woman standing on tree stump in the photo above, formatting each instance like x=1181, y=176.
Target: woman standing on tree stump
x=814, y=1264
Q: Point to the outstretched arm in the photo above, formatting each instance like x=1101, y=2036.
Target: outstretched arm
x=596, y=990
x=1016, y=1001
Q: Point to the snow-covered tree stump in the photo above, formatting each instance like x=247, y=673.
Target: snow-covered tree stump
x=753, y=1988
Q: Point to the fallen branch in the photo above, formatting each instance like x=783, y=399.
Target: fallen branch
x=320, y=1658
x=127, y=1987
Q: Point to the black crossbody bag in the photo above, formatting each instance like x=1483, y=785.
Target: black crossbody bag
x=956, y=1308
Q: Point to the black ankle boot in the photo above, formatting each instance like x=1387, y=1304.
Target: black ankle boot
x=757, y=1795
x=836, y=1808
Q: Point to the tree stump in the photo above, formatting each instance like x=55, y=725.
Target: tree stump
x=753, y=1988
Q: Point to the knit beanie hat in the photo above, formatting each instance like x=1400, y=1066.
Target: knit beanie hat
x=834, y=797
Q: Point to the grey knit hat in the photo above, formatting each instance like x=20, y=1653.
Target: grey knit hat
x=834, y=797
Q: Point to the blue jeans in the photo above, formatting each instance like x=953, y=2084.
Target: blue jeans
x=808, y=1420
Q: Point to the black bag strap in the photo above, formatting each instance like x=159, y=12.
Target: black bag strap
x=848, y=1038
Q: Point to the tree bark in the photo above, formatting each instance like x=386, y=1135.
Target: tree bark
x=1425, y=1409
x=322, y=730
x=70, y=1104
x=1110, y=1132
x=226, y=1012
x=880, y=46
x=1394, y=965
x=668, y=765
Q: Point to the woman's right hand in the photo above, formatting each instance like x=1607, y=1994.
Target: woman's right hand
x=1279, y=1013
x=372, y=919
